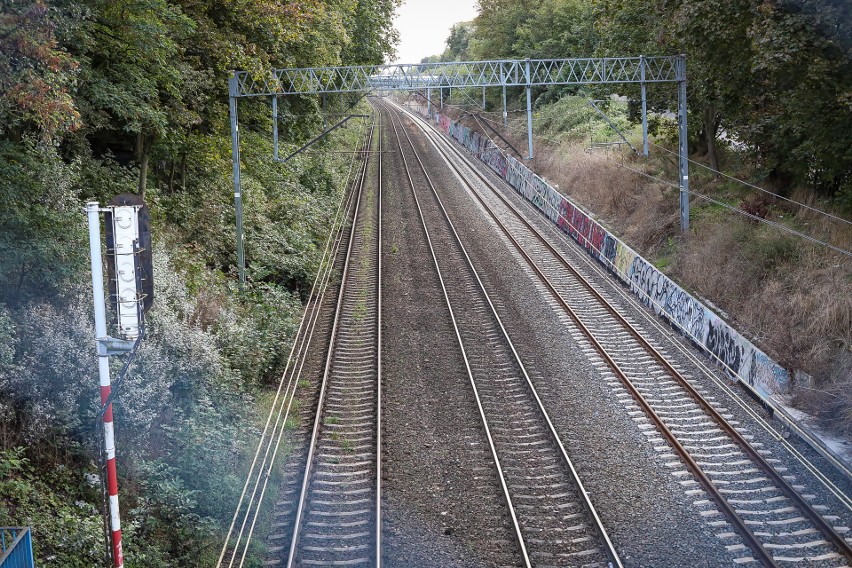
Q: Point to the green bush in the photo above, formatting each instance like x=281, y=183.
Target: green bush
x=59, y=503
x=43, y=246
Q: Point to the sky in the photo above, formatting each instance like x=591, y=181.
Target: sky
x=425, y=24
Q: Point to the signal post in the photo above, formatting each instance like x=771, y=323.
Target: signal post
x=131, y=292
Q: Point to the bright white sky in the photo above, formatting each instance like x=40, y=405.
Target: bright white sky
x=425, y=24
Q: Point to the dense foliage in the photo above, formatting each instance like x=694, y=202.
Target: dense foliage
x=776, y=75
x=104, y=97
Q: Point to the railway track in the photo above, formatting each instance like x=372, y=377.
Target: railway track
x=764, y=516
x=336, y=518
x=301, y=372
x=554, y=522
x=306, y=374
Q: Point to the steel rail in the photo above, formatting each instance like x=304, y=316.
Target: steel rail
x=304, y=344
x=327, y=371
x=310, y=315
x=609, y=548
x=302, y=357
x=653, y=321
x=817, y=519
x=505, y=489
x=837, y=540
x=696, y=469
x=362, y=175
x=379, y=364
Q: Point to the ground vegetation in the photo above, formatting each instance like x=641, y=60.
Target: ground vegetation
x=99, y=98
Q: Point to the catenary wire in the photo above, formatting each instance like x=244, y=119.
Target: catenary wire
x=280, y=436
x=715, y=171
x=751, y=185
x=739, y=211
x=277, y=396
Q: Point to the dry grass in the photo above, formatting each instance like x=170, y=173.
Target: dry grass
x=791, y=297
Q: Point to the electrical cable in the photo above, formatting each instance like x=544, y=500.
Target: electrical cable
x=743, y=182
x=766, y=191
x=666, y=182
x=323, y=277
x=739, y=211
x=321, y=274
x=757, y=218
x=475, y=103
x=293, y=375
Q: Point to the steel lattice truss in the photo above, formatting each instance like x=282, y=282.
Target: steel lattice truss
x=506, y=73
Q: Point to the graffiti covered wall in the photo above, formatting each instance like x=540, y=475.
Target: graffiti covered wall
x=738, y=356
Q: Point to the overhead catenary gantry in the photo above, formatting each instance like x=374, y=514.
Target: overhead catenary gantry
x=526, y=73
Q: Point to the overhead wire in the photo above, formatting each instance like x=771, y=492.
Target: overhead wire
x=751, y=185
x=475, y=103
x=730, y=177
x=294, y=377
x=739, y=211
x=322, y=276
x=296, y=374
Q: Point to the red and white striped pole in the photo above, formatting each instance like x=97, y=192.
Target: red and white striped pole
x=112, y=475
x=93, y=210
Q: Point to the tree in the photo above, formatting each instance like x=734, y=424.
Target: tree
x=496, y=27
x=458, y=42
x=715, y=40
x=36, y=74
x=131, y=77
x=800, y=120
x=777, y=74
x=711, y=35
x=557, y=28
x=373, y=37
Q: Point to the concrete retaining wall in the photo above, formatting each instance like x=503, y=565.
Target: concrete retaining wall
x=738, y=356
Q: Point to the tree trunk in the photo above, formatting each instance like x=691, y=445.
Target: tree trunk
x=711, y=126
x=183, y=171
x=143, y=145
x=172, y=168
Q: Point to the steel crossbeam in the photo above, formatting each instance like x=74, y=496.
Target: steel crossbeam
x=505, y=73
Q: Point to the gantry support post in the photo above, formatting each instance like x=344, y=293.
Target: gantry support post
x=505, y=113
x=275, y=128
x=683, y=147
x=529, y=111
x=235, y=157
x=503, y=80
x=483, y=98
x=644, y=107
x=429, y=101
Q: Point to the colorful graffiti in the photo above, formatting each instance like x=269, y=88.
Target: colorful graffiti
x=741, y=359
x=670, y=300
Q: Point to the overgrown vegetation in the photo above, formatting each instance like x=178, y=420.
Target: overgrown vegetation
x=753, y=68
x=101, y=98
